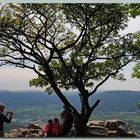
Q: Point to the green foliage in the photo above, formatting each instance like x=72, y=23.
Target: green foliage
x=136, y=68
x=138, y=104
x=136, y=71
x=68, y=45
x=3, y=52
x=134, y=9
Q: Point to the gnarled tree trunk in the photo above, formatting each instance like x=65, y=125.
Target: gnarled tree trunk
x=81, y=119
x=80, y=126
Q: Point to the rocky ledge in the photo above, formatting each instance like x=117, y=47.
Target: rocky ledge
x=108, y=128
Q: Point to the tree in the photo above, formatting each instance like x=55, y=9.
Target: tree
x=136, y=71
x=135, y=11
x=74, y=46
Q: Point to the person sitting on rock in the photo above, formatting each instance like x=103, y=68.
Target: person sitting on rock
x=47, y=130
x=67, y=121
x=56, y=127
x=4, y=118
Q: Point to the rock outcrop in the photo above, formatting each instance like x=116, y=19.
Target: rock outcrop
x=108, y=128
x=32, y=130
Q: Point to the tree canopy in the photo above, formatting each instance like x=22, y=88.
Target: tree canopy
x=135, y=11
x=68, y=45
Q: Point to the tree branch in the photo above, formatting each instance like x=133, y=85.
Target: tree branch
x=108, y=76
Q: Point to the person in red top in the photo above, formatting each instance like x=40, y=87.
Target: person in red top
x=56, y=127
x=47, y=130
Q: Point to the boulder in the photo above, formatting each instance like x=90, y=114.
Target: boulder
x=113, y=124
x=97, y=131
x=33, y=126
x=31, y=130
x=112, y=133
x=108, y=128
x=96, y=123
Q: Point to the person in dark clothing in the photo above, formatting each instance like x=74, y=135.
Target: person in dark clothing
x=67, y=121
x=4, y=118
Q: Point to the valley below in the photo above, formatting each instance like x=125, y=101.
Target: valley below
x=37, y=107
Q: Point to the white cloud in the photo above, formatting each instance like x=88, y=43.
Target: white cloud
x=15, y=78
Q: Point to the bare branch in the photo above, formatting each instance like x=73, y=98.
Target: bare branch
x=108, y=76
x=73, y=43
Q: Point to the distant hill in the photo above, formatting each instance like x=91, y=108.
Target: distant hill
x=27, y=98
x=110, y=100
x=38, y=107
x=118, y=100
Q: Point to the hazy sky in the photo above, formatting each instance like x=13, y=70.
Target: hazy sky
x=12, y=78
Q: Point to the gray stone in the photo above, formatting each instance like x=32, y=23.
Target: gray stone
x=33, y=126
x=108, y=128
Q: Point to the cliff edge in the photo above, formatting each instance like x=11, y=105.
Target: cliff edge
x=107, y=128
